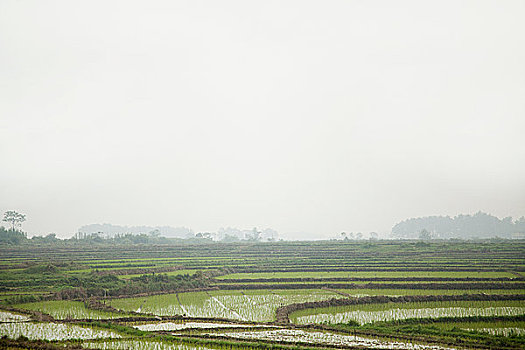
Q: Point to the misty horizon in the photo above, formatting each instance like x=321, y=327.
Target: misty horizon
x=485, y=229
x=262, y=175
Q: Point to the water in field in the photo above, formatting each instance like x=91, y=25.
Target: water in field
x=505, y=331
x=262, y=306
x=363, y=317
x=399, y=314
x=323, y=338
x=366, y=313
x=139, y=345
x=171, y=326
x=250, y=305
x=12, y=317
x=495, y=327
x=61, y=310
x=52, y=331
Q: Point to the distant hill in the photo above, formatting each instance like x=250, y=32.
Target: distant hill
x=479, y=225
x=110, y=230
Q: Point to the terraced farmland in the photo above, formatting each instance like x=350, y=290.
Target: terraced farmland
x=384, y=294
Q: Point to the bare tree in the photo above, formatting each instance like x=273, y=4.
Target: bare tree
x=14, y=218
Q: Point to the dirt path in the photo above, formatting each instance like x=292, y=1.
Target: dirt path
x=186, y=313
x=235, y=313
x=346, y=295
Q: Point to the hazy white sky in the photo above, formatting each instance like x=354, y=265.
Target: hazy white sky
x=304, y=116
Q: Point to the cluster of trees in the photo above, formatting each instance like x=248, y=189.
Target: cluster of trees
x=232, y=234
x=115, y=234
x=120, y=238
x=110, y=234
x=228, y=234
x=479, y=225
x=16, y=237
x=156, y=236
x=109, y=230
x=358, y=236
x=11, y=236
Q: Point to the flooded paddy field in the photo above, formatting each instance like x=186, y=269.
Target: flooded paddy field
x=171, y=326
x=297, y=336
x=505, y=328
x=62, y=309
x=140, y=345
x=402, y=292
x=52, y=331
x=367, y=274
x=7, y=316
x=203, y=296
x=249, y=305
x=398, y=311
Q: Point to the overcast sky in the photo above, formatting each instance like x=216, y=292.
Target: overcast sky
x=310, y=117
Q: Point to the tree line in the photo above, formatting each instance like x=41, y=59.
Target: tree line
x=479, y=225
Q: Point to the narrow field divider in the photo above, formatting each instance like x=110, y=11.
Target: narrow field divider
x=430, y=286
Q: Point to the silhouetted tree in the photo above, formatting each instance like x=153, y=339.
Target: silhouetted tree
x=14, y=218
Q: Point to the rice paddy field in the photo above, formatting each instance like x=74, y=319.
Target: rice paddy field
x=139, y=345
x=9, y=317
x=369, y=313
x=283, y=295
x=504, y=328
x=178, y=326
x=249, y=305
x=67, y=309
x=53, y=331
x=297, y=336
x=367, y=274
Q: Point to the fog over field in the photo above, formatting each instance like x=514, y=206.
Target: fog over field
x=306, y=117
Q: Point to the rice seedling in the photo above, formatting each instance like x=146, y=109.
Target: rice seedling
x=260, y=305
x=401, y=292
x=161, y=305
x=169, y=273
x=172, y=326
x=62, y=310
x=12, y=317
x=399, y=311
x=506, y=331
x=139, y=345
x=322, y=338
x=495, y=327
x=52, y=331
x=367, y=274
x=363, y=317
x=253, y=305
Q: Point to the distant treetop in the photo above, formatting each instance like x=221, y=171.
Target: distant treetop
x=14, y=218
x=479, y=225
